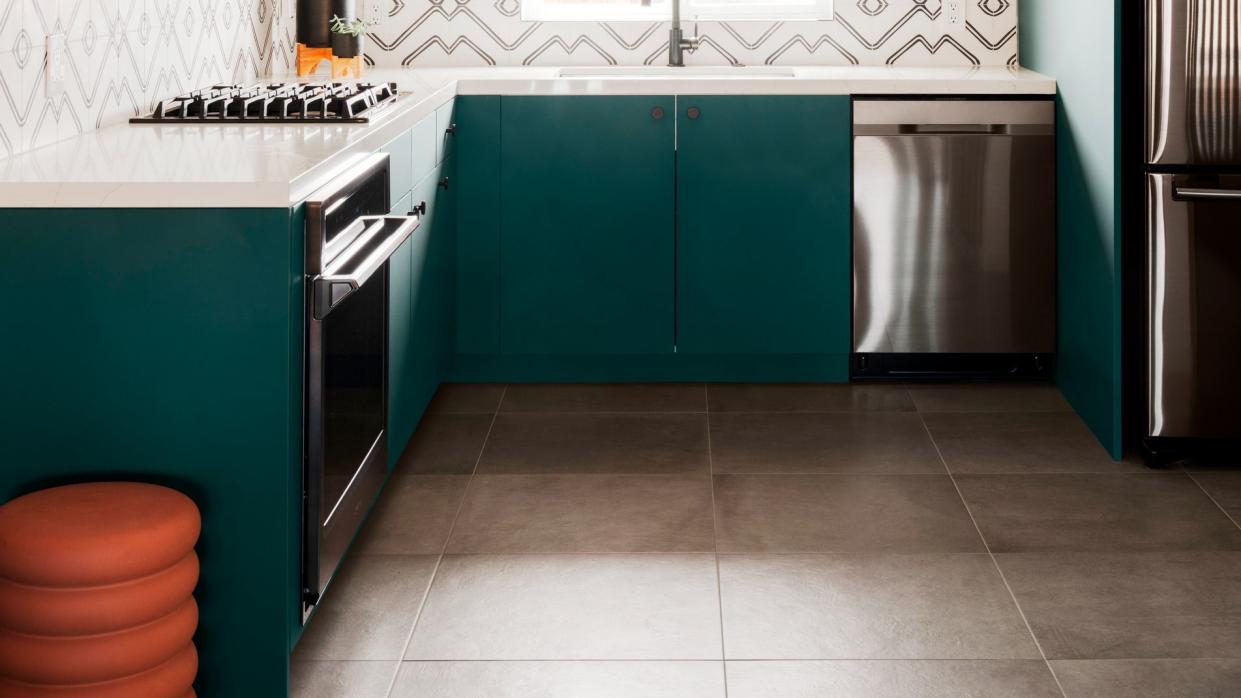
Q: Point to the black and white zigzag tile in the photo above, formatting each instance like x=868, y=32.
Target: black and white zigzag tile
x=124, y=55
x=864, y=32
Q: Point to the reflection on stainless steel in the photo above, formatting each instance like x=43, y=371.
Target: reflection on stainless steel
x=954, y=227
x=1193, y=306
x=1193, y=90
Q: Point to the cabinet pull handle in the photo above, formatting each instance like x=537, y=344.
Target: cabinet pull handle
x=693, y=112
x=419, y=210
x=451, y=130
x=444, y=184
x=657, y=113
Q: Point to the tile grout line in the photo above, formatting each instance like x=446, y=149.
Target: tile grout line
x=995, y=563
x=1211, y=497
x=444, y=548
x=715, y=536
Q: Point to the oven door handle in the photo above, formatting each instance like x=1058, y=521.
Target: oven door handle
x=381, y=236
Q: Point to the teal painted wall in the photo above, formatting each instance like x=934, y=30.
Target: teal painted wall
x=1075, y=42
x=158, y=345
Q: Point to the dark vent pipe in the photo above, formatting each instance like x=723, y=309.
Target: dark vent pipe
x=314, y=16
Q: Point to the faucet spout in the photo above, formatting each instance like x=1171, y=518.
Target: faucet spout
x=678, y=43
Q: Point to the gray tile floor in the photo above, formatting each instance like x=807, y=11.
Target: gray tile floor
x=745, y=541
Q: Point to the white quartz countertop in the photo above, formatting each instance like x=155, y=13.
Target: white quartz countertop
x=276, y=166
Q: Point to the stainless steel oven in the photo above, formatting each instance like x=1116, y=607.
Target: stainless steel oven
x=349, y=238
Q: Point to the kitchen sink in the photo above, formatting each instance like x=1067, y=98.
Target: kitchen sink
x=663, y=71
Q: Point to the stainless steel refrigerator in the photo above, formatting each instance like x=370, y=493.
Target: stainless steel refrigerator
x=1193, y=221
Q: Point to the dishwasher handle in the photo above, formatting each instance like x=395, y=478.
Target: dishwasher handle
x=951, y=129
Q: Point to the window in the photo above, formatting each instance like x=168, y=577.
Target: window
x=661, y=10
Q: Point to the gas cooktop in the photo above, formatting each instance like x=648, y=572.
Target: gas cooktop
x=342, y=102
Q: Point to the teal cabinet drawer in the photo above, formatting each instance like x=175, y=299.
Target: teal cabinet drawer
x=400, y=165
x=400, y=208
x=445, y=131
x=587, y=186
x=423, y=141
x=763, y=225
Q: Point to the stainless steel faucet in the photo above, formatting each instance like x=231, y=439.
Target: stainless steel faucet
x=678, y=43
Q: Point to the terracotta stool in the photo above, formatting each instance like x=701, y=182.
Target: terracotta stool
x=95, y=592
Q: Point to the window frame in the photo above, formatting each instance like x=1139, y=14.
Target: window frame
x=661, y=11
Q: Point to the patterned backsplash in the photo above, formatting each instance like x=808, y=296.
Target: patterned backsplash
x=864, y=32
x=121, y=56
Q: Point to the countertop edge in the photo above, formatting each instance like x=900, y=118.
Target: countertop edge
x=275, y=194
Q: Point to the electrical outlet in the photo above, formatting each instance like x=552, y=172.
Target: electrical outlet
x=954, y=13
x=54, y=69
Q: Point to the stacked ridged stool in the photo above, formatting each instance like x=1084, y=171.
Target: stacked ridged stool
x=96, y=584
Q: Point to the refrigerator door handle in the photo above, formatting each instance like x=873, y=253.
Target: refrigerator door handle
x=1180, y=193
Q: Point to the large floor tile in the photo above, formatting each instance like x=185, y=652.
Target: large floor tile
x=806, y=397
x=369, y=608
x=860, y=442
x=1146, y=512
x=337, y=679
x=1028, y=678
x=586, y=513
x=988, y=397
x=842, y=513
x=1224, y=488
x=467, y=398
x=1130, y=605
x=413, y=516
x=869, y=607
x=1020, y=442
x=446, y=444
x=578, y=679
x=571, y=607
x=597, y=443
x=1150, y=678
x=606, y=397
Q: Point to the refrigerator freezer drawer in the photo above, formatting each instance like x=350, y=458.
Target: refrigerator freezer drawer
x=1194, y=306
x=1193, y=82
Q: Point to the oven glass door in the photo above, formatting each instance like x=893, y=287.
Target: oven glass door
x=346, y=432
x=354, y=340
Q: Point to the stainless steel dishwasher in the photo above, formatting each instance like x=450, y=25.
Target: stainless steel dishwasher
x=954, y=250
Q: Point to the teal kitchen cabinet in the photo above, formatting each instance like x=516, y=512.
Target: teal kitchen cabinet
x=587, y=187
x=763, y=225
x=165, y=345
x=421, y=288
x=476, y=185
x=401, y=379
x=400, y=165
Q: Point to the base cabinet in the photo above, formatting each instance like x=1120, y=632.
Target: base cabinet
x=763, y=225
x=586, y=235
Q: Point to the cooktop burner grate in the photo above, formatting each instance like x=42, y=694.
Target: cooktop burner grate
x=342, y=102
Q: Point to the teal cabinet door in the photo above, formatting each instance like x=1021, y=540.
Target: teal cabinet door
x=587, y=241
x=401, y=383
x=476, y=184
x=763, y=225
